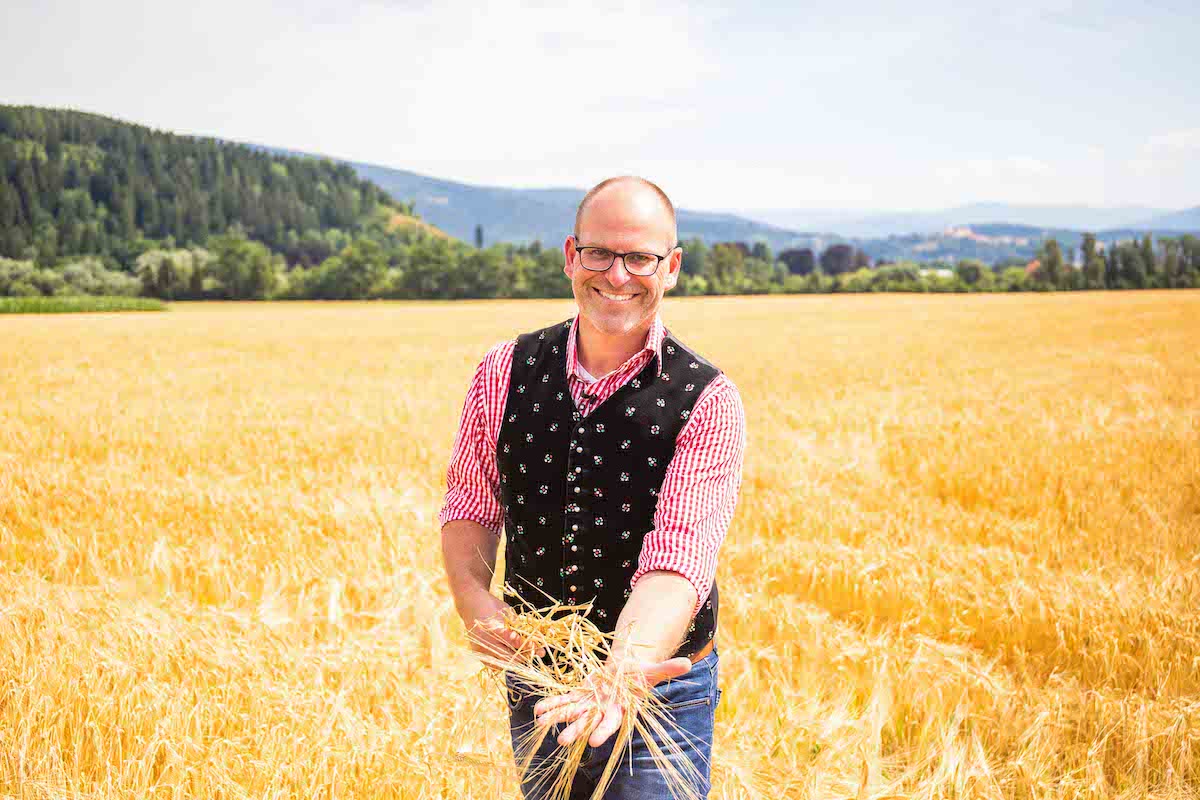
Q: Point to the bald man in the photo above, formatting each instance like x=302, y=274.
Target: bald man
x=612, y=454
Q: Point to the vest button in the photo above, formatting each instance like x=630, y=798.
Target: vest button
x=574, y=527
x=574, y=547
x=581, y=430
x=573, y=588
x=579, y=469
x=576, y=490
x=578, y=449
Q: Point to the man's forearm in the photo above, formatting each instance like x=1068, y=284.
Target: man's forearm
x=656, y=616
x=469, y=553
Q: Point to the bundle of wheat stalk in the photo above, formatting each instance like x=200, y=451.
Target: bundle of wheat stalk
x=576, y=659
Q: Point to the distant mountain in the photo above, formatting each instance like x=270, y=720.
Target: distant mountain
x=873, y=225
x=547, y=215
x=523, y=215
x=991, y=232
x=1186, y=220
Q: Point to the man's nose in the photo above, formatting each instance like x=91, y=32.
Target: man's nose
x=618, y=275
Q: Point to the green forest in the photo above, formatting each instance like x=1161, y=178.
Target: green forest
x=95, y=206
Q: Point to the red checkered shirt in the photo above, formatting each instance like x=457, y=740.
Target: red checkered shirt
x=700, y=488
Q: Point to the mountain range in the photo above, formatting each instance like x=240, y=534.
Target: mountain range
x=522, y=216
x=989, y=231
x=546, y=215
x=857, y=224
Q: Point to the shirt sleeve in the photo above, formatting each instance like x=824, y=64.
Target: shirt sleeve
x=473, y=477
x=699, y=491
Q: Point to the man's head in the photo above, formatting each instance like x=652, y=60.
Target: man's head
x=623, y=215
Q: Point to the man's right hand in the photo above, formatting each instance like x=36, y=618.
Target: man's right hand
x=488, y=634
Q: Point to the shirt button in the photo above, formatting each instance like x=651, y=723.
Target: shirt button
x=574, y=527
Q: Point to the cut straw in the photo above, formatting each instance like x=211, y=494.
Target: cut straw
x=575, y=648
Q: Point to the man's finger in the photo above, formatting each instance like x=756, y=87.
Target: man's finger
x=671, y=668
x=568, y=713
x=495, y=650
x=608, y=726
x=580, y=727
x=550, y=703
x=526, y=645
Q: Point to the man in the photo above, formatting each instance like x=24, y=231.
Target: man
x=612, y=454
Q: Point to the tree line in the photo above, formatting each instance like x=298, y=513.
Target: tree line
x=90, y=205
x=383, y=263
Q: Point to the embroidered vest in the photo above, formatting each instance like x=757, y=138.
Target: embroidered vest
x=579, y=493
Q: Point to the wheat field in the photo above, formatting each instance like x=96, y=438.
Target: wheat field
x=965, y=562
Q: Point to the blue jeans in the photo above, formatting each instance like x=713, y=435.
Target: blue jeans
x=691, y=703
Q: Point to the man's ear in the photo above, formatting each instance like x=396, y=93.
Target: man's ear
x=569, y=257
x=674, y=264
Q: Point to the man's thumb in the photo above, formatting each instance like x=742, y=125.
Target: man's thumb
x=671, y=668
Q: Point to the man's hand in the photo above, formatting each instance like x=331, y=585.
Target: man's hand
x=596, y=708
x=488, y=634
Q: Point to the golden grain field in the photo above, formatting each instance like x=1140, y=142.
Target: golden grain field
x=965, y=563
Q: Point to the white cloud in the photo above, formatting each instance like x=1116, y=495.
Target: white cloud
x=1173, y=144
x=1168, y=152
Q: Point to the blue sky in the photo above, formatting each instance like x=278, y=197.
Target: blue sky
x=828, y=105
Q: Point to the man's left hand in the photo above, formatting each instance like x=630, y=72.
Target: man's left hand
x=596, y=708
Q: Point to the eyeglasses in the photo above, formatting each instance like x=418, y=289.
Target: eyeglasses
x=599, y=259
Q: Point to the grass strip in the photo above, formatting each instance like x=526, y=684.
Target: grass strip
x=78, y=303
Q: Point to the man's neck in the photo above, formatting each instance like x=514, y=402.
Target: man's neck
x=601, y=353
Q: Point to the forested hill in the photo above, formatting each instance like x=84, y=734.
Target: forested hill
x=73, y=183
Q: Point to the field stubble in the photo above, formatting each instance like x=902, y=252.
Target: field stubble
x=964, y=563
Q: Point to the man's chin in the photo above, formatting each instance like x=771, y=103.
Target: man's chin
x=613, y=322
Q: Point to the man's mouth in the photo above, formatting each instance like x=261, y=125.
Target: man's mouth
x=618, y=298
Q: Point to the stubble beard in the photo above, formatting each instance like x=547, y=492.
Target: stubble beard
x=611, y=320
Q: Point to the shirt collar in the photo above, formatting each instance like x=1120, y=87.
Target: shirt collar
x=654, y=341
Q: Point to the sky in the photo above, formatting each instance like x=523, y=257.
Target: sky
x=868, y=105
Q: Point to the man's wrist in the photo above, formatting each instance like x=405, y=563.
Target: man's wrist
x=471, y=599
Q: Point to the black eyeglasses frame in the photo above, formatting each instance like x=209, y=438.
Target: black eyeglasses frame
x=615, y=255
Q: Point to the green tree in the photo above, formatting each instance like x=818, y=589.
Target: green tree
x=363, y=265
x=1133, y=266
x=1112, y=267
x=429, y=272
x=695, y=258
x=970, y=271
x=1050, y=273
x=837, y=259
x=1189, y=261
x=1149, y=261
x=799, y=261
x=1171, y=266
x=1093, y=264
x=1013, y=279
x=726, y=269
x=242, y=269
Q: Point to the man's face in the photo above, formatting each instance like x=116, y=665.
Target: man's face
x=623, y=218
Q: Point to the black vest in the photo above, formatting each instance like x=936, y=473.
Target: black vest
x=579, y=493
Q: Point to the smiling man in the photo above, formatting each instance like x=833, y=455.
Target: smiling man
x=612, y=455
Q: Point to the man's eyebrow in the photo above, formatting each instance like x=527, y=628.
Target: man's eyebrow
x=580, y=243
